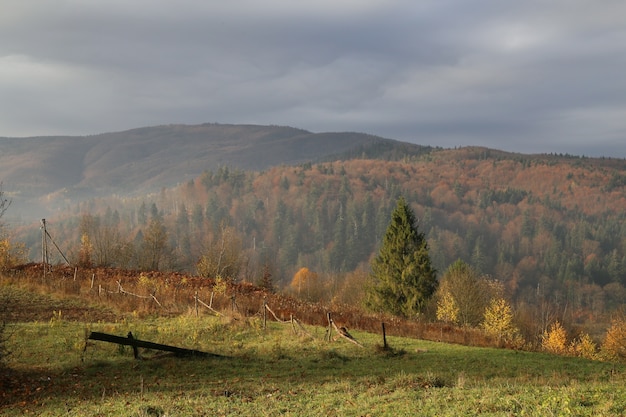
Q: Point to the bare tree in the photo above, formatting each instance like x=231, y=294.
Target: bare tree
x=223, y=257
x=101, y=241
x=4, y=202
x=154, y=246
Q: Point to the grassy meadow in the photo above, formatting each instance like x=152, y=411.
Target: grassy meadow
x=282, y=370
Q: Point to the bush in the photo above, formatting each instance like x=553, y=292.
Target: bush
x=584, y=347
x=614, y=346
x=554, y=340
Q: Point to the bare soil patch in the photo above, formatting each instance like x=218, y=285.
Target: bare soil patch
x=22, y=305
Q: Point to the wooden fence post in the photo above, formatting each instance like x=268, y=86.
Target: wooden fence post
x=293, y=327
x=135, y=349
x=384, y=336
x=330, y=326
x=196, y=300
x=264, y=313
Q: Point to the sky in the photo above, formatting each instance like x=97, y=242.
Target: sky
x=528, y=76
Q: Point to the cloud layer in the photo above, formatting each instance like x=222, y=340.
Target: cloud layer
x=528, y=76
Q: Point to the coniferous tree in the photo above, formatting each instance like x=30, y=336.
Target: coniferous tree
x=403, y=278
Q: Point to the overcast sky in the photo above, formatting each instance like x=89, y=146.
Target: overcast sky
x=525, y=76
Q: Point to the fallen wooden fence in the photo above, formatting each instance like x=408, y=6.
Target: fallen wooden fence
x=136, y=343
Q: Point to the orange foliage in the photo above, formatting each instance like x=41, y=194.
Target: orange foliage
x=304, y=282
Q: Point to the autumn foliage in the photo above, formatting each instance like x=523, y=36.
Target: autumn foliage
x=554, y=340
x=549, y=228
x=498, y=322
x=614, y=345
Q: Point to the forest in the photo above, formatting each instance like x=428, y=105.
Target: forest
x=550, y=228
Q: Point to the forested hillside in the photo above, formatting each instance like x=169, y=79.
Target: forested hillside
x=550, y=227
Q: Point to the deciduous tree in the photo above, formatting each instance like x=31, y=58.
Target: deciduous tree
x=101, y=240
x=585, y=347
x=614, y=345
x=154, y=244
x=468, y=291
x=447, y=310
x=554, y=340
x=498, y=321
x=85, y=253
x=223, y=256
x=11, y=253
x=306, y=284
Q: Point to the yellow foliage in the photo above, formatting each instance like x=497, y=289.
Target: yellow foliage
x=86, y=251
x=554, y=340
x=219, y=287
x=147, y=282
x=464, y=294
x=614, y=345
x=447, y=310
x=584, y=346
x=305, y=283
x=498, y=321
x=11, y=254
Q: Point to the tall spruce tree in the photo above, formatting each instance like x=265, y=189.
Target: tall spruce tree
x=402, y=277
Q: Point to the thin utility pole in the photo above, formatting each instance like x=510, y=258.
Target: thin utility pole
x=44, y=246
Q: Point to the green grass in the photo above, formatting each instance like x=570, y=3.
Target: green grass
x=277, y=372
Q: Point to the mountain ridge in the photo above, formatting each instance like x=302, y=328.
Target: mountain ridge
x=43, y=174
x=38, y=171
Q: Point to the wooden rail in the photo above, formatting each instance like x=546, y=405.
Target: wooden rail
x=136, y=343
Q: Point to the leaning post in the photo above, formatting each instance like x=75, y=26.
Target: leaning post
x=384, y=336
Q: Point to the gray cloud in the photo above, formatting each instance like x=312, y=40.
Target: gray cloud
x=527, y=76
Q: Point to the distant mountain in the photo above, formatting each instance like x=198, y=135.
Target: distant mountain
x=44, y=173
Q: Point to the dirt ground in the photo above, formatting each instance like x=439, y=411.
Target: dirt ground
x=20, y=305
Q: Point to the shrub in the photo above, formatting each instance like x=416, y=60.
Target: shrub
x=584, y=346
x=554, y=340
x=614, y=346
x=499, y=322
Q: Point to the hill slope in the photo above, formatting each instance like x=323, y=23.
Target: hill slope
x=141, y=160
x=550, y=222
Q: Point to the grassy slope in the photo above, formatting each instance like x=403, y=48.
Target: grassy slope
x=277, y=372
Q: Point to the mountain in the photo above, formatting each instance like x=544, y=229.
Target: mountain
x=41, y=174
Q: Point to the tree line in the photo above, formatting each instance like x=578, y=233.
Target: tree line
x=547, y=230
